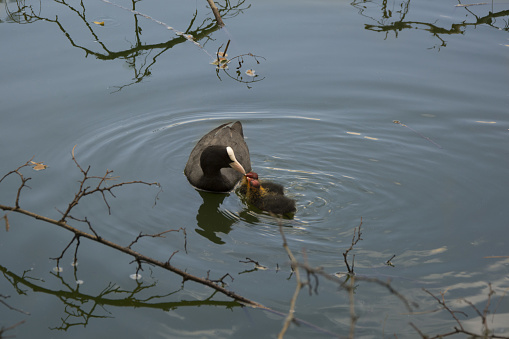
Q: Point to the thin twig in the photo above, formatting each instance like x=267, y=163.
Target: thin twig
x=10, y=307
x=216, y=13
x=355, y=239
x=419, y=134
x=158, y=235
x=295, y=267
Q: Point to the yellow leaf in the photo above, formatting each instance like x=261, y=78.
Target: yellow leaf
x=38, y=166
x=250, y=72
x=99, y=23
x=354, y=133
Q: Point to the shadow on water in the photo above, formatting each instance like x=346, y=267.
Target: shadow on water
x=210, y=220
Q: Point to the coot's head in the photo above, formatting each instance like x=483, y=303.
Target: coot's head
x=213, y=158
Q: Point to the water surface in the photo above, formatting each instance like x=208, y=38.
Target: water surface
x=318, y=118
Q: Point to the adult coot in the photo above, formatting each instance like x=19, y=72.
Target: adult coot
x=219, y=160
x=267, y=201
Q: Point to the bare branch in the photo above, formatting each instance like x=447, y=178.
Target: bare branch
x=219, y=281
x=444, y=305
x=85, y=190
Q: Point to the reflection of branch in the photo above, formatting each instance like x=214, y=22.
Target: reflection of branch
x=24, y=14
x=137, y=55
x=214, y=9
x=222, y=64
x=188, y=37
x=399, y=24
x=81, y=307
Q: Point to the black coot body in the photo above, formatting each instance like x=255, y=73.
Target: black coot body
x=219, y=160
x=267, y=201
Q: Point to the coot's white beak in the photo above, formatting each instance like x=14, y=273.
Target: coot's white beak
x=235, y=164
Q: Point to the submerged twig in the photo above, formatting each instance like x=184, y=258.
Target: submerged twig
x=413, y=130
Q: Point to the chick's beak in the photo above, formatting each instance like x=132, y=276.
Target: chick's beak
x=238, y=167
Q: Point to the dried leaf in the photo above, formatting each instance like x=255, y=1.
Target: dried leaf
x=250, y=72
x=370, y=138
x=38, y=166
x=220, y=61
x=99, y=23
x=354, y=133
x=7, y=227
x=222, y=54
x=487, y=122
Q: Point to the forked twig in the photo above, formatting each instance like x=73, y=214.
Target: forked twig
x=355, y=239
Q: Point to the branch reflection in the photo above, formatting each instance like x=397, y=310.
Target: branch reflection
x=141, y=55
x=391, y=17
x=80, y=308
